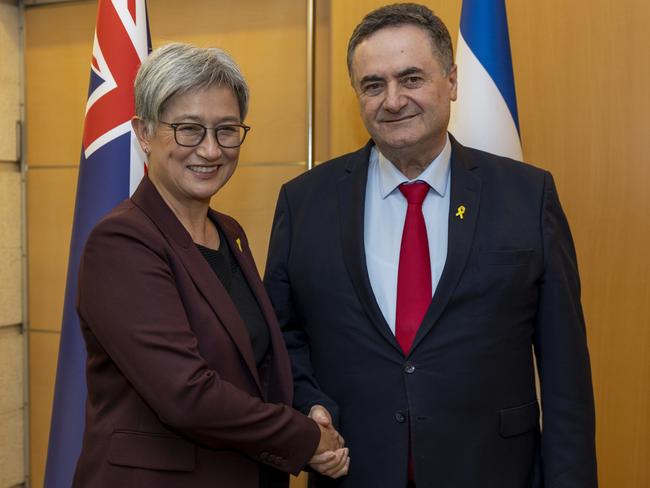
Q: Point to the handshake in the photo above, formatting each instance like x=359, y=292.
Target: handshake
x=331, y=457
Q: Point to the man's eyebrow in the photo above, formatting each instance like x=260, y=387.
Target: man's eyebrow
x=412, y=70
x=370, y=78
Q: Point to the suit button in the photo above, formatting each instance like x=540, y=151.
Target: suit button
x=400, y=417
x=409, y=368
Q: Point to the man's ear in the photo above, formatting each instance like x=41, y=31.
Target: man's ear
x=453, y=82
x=142, y=133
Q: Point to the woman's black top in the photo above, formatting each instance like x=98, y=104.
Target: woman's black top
x=227, y=270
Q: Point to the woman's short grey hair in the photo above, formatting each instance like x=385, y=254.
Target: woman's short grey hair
x=399, y=14
x=179, y=68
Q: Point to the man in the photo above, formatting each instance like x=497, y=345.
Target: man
x=414, y=277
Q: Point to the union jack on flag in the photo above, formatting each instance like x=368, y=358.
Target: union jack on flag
x=121, y=44
x=111, y=166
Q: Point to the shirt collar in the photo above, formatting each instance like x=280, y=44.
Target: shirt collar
x=436, y=174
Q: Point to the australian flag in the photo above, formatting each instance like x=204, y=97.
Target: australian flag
x=111, y=167
x=485, y=115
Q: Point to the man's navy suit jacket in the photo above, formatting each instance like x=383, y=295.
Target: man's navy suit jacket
x=465, y=395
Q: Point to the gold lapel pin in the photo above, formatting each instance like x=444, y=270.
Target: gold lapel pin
x=238, y=241
x=461, y=212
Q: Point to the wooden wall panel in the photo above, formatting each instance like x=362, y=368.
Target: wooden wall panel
x=9, y=81
x=250, y=197
x=12, y=380
x=12, y=448
x=43, y=354
x=11, y=276
x=12, y=426
x=50, y=200
x=57, y=67
x=582, y=76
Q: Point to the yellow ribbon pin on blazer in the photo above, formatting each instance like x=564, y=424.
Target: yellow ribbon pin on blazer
x=461, y=212
x=238, y=241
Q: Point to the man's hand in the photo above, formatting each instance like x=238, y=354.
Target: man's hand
x=331, y=457
x=323, y=418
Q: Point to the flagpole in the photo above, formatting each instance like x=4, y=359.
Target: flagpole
x=22, y=145
x=310, y=84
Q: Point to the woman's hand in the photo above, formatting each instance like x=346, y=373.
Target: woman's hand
x=331, y=458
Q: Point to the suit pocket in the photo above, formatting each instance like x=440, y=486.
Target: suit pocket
x=150, y=450
x=519, y=420
x=501, y=283
x=508, y=258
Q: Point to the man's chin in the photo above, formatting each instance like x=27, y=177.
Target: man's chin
x=396, y=144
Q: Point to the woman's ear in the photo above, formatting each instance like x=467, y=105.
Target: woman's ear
x=142, y=133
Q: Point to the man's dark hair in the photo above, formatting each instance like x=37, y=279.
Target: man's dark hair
x=399, y=14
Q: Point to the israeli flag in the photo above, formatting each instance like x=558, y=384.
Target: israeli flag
x=485, y=115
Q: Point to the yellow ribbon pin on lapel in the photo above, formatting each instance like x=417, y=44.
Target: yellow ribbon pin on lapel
x=461, y=212
x=238, y=241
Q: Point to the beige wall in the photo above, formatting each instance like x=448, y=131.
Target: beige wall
x=582, y=79
x=11, y=309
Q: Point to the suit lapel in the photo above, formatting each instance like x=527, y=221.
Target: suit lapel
x=465, y=193
x=242, y=254
x=150, y=201
x=352, y=193
x=240, y=249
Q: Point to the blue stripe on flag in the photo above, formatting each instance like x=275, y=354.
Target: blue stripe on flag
x=95, y=81
x=103, y=183
x=484, y=26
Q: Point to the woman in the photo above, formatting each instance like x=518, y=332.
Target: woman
x=189, y=381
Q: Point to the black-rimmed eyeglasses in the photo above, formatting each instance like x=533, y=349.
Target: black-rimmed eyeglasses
x=189, y=134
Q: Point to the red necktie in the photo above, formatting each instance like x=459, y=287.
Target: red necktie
x=414, y=273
